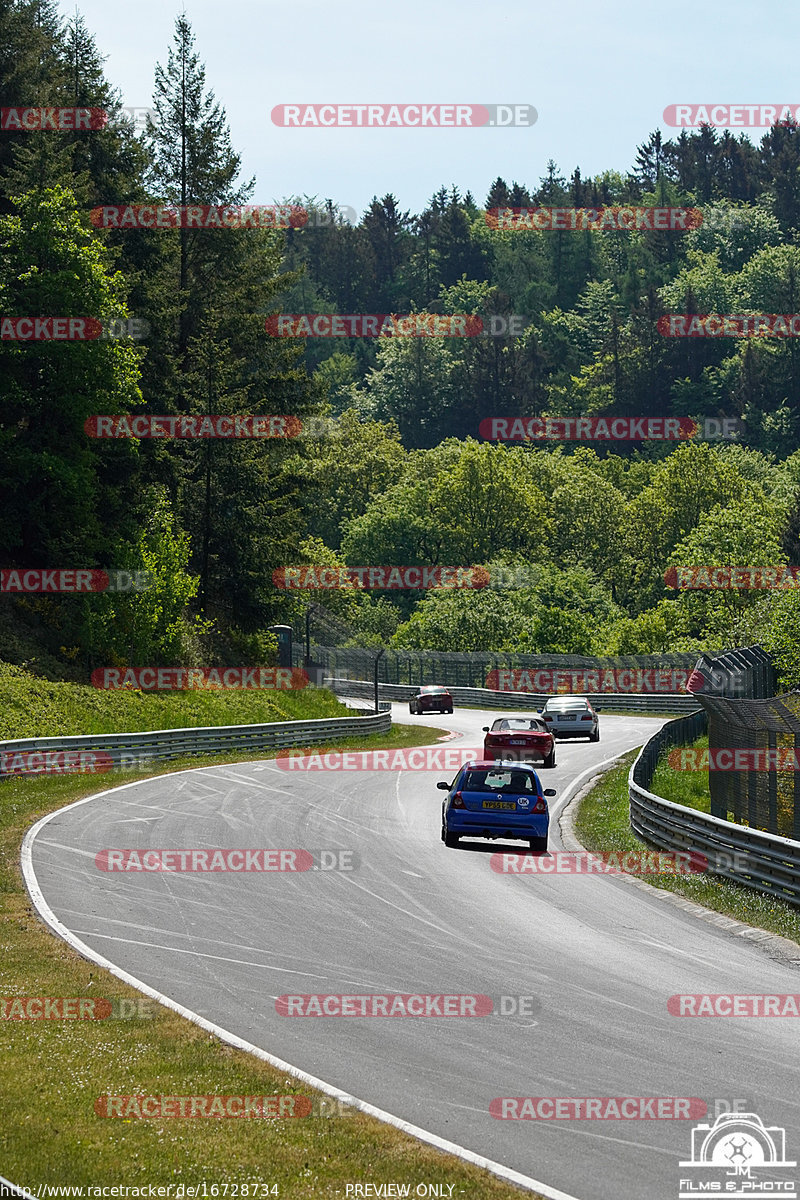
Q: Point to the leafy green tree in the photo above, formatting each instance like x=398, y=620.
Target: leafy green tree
x=780, y=636
x=472, y=504
x=734, y=233
x=743, y=532
x=148, y=627
x=694, y=479
x=665, y=628
x=588, y=514
x=63, y=495
x=346, y=470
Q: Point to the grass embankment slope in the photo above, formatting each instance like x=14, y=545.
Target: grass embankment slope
x=52, y=1071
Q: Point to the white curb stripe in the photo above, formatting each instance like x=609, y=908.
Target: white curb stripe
x=422, y=1135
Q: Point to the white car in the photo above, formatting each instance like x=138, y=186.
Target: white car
x=571, y=716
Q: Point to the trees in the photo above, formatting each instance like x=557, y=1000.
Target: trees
x=142, y=628
x=472, y=502
x=741, y=532
x=694, y=479
x=64, y=497
x=346, y=470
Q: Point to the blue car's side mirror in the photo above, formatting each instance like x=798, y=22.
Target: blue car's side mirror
x=445, y=787
x=549, y=791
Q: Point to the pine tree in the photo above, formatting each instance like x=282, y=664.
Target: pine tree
x=498, y=195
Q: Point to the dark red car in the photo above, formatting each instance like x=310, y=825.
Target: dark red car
x=523, y=739
x=431, y=699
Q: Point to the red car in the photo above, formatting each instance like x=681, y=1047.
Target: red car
x=523, y=739
x=431, y=699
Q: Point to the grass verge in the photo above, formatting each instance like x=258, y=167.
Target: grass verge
x=683, y=787
x=33, y=707
x=53, y=1070
x=603, y=825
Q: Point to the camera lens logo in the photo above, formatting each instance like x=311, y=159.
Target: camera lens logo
x=725, y=1154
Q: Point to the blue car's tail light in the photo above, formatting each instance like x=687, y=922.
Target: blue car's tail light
x=540, y=806
x=458, y=800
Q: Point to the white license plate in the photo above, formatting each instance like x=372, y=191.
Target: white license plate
x=517, y=742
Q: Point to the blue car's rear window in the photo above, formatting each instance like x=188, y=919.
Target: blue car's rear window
x=518, y=782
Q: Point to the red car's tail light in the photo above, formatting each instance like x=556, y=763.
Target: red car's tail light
x=540, y=806
x=458, y=800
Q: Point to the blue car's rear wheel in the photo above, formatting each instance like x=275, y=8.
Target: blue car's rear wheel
x=449, y=839
x=538, y=843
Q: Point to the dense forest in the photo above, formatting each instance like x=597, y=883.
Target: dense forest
x=399, y=473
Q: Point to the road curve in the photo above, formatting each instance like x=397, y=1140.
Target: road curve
x=601, y=958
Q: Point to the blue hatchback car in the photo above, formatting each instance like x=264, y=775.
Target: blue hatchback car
x=490, y=799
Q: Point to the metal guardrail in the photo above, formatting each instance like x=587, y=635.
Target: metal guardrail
x=125, y=748
x=763, y=861
x=484, y=698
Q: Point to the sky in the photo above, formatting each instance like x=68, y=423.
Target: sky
x=599, y=74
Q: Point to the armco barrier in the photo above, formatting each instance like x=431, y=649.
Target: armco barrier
x=174, y=743
x=627, y=702
x=762, y=861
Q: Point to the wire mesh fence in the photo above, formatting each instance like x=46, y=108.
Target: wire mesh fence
x=753, y=743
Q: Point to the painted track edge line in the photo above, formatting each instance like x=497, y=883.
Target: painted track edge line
x=423, y=1135
x=779, y=949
